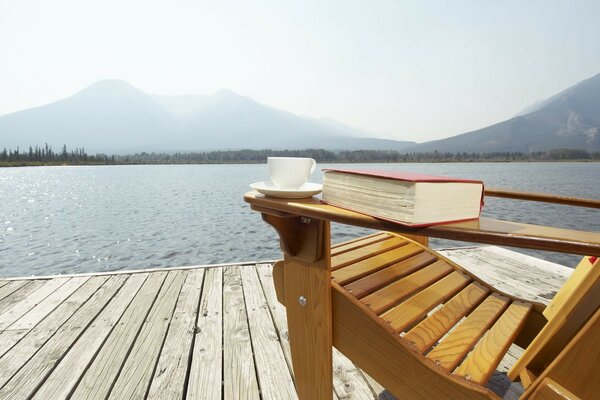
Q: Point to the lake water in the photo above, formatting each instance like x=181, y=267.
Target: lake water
x=89, y=219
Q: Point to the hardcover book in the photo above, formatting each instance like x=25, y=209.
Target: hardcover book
x=404, y=197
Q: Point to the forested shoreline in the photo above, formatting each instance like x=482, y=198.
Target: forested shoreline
x=45, y=155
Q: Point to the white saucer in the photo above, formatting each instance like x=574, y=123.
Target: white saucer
x=307, y=190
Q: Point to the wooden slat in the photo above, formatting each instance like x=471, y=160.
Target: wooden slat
x=431, y=329
x=15, y=291
x=239, y=375
x=274, y=377
x=408, y=312
x=13, y=359
x=527, y=377
x=457, y=344
x=207, y=356
x=485, y=357
x=585, y=271
x=542, y=197
x=482, y=230
x=62, y=380
x=393, y=294
x=370, y=250
x=22, y=307
x=373, y=264
x=39, y=312
x=344, y=247
x=551, y=390
x=102, y=373
x=134, y=378
x=171, y=370
x=348, y=381
x=24, y=383
x=379, y=279
x=386, y=357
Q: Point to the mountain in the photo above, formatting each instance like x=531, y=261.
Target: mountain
x=570, y=119
x=114, y=117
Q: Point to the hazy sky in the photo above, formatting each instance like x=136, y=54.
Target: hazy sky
x=416, y=70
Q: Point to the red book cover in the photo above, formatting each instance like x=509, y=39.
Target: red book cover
x=403, y=176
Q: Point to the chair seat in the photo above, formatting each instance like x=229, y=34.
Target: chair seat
x=446, y=314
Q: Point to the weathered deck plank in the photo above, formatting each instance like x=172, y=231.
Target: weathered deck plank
x=41, y=310
x=22, y=307
x=239, y=375
x=64, y=377
x=169, y=379
x=192, y=333
x=11, y=361
x=274, y=376
x=102, y=373
x=15, y=291
x=26, y=381
x=207, y=356
x=135, y=377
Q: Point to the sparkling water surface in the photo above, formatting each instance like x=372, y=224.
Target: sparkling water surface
x=56, y=220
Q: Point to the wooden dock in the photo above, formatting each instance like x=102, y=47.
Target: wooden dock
x=211, y=332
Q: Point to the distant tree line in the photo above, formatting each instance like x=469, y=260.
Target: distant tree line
x=45, y=155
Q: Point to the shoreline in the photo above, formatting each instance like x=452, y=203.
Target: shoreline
x=245, y=162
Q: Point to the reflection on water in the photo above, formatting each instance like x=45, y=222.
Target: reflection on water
x=87, y=219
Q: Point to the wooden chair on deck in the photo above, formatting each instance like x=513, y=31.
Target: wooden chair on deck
x=422, y=325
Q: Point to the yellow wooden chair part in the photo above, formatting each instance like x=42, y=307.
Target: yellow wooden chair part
x=426, y=328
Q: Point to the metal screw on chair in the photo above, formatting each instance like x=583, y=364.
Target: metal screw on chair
x=305, y=220
x=302, y=301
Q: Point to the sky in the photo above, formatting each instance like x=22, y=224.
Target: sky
x=403, y=70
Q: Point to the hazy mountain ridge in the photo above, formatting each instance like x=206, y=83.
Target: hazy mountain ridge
x=570, y=119
x=113, y=116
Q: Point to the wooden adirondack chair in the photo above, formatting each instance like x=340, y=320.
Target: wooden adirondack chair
x=418, y=323
x=385, y=287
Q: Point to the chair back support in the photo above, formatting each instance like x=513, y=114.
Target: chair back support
x=571, y=307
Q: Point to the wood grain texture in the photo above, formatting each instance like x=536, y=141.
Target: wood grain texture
x=484, y=230
x=542, y=197
x=417, y=306
x=373, y=346
x=22, y=351
x=61, y=382
x=366, y=251
x=339, y=248
x=393, y=294
x=550, y=390
x=42, y=309
x=485, y=357
x=453, y=348
x=576, y=367
x=377, y=280
x=431, y=329
x=309, y=326
x=15, y=291
x=207, y=354
x=134, y=378
x=348, y=381
x=581, y=300
x=239, y=374
x=274, y=377
x=579, y=280
x=169, y=377
x=22, y=307
x=352, y=272
x=102, y=373
x=24, y=383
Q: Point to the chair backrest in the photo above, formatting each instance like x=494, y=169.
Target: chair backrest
x=571, y=307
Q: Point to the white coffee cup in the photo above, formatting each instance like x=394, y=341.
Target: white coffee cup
x=290, y=172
